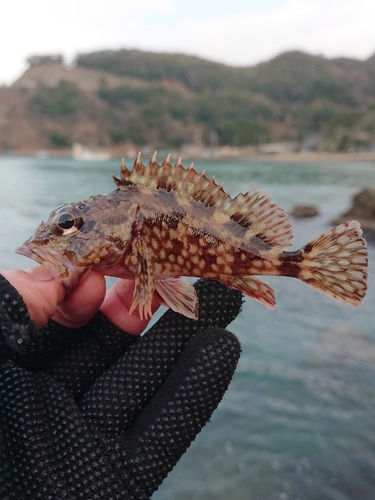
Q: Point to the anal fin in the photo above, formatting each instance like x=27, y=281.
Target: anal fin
x=254, y=288
x=180, y=295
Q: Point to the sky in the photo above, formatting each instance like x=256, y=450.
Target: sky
x=234, y=32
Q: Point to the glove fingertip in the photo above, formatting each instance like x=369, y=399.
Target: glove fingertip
x=181, y=407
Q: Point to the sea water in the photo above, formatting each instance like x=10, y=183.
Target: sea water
x=298, y=420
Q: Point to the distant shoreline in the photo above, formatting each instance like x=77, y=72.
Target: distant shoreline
x=282, y=157
x=314, y=157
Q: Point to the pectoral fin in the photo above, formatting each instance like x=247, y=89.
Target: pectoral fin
x=144, y=282
x=254, y=288
x=180, y=295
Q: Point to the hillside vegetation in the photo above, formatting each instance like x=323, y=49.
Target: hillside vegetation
x=171, y=99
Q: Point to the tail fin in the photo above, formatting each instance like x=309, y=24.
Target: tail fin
x=335, y=263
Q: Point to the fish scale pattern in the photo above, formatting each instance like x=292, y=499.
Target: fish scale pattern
x=118, y=426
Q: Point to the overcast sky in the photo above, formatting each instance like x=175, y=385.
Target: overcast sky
x=236, y=32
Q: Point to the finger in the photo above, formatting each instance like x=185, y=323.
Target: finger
x=94, y=348
x=39, y=290
x=180, y=408
x=123, y=390
x=117, y=304
x=84, y=301
x=99, y=343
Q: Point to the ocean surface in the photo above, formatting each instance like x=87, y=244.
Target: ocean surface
x=298, y=420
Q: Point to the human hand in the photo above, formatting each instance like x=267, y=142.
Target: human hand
x=45, y=297
x=94, y=413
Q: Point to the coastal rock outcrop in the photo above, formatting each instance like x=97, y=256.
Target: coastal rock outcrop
x=362, y=209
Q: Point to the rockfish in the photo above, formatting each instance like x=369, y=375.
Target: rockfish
x=163, y=222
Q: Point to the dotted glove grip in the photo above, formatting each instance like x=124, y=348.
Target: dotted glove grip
x=96, y=413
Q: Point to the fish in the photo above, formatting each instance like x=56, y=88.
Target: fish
x=163, y=224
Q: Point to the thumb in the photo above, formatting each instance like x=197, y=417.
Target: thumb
x=45, y=298
x=82, y=303
x=39, y=290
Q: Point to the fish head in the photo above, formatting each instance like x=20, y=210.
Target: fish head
x=81, y=236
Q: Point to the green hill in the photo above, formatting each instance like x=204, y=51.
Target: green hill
x=172, y=99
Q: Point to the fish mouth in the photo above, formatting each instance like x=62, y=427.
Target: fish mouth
x=56, y=263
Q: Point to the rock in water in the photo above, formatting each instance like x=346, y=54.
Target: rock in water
x=304, y=211
x=362, y=209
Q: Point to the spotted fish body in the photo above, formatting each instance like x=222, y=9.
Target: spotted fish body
x=163, y=222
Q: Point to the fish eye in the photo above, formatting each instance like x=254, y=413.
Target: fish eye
x=67, y=223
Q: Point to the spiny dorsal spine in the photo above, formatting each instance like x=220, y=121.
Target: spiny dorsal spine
x=253, y=210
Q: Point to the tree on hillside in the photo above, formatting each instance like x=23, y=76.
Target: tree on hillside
x=38, y=60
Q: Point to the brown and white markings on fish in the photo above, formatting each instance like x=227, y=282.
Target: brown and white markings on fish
x=163, y=222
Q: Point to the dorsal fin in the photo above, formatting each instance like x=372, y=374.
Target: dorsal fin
x=263, y=218
x=253, y=210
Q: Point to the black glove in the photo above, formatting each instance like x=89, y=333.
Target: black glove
x=95, y=413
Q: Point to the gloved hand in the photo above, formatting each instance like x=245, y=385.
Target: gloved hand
x=95, y=413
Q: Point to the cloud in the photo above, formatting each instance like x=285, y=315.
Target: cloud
x=237, y=32
x=326, y=27
x=51, y=26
